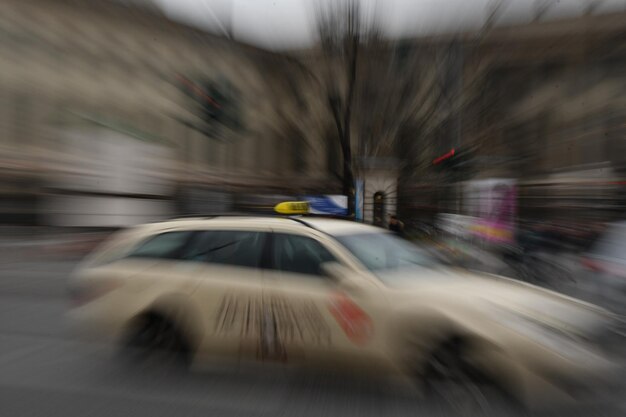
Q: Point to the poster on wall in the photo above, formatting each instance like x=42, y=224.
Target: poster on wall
x=493, y=205
x=359, y=193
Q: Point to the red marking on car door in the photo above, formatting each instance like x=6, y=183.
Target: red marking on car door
x=355, y=322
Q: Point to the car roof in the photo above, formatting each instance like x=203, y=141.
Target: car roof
x=337, y=227
x=333, y=227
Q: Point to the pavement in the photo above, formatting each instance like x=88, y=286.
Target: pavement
x=47, y=372
x=21, y=245
x=581, y=284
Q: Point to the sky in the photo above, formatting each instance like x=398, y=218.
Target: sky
x=286, y=24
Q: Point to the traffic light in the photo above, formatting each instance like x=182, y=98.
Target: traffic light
x=455, y=161
x=214, y=101
x=224, y=108
x=213, y=104
x=445, y=157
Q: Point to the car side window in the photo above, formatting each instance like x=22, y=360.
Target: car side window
x=299, y=254
x=228, y=247
x=166, y=245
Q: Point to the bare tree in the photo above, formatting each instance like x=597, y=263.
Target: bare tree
x=340, y=29
x=385, y=96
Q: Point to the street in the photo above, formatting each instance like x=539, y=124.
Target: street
x=47, y=372
x=489, y=133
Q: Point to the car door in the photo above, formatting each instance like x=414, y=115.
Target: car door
x=146, y=275
x=313, y=318
x=229, y=290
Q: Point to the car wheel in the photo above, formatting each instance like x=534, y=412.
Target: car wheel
x=155, y=343
x=453, y=387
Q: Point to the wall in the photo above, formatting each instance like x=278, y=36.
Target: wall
x=120, y=64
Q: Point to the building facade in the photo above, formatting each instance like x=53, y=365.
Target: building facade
x=73, y=69
x=541, y=103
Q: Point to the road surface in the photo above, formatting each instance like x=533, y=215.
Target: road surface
x=46, y=372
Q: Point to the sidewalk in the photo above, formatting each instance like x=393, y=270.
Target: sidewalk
x=583, y=285
x=18, y=244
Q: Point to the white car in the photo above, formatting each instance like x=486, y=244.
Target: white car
x=339, y=294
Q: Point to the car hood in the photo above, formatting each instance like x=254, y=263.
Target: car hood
x=451, y=288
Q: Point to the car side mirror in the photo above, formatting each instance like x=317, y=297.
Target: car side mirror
x=340, y=274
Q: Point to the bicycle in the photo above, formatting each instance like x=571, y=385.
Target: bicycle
x=537, y=267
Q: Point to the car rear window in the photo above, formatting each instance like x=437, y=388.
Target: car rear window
x=166, y=245
x=227, y=247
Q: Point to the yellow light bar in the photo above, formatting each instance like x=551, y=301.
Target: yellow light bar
x=292, y=207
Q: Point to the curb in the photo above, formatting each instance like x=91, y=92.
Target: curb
x=76, y=246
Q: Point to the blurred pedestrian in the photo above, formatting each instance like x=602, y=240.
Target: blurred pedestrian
x=396, y=225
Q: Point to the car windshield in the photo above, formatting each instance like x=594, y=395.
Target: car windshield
x=385, y=251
